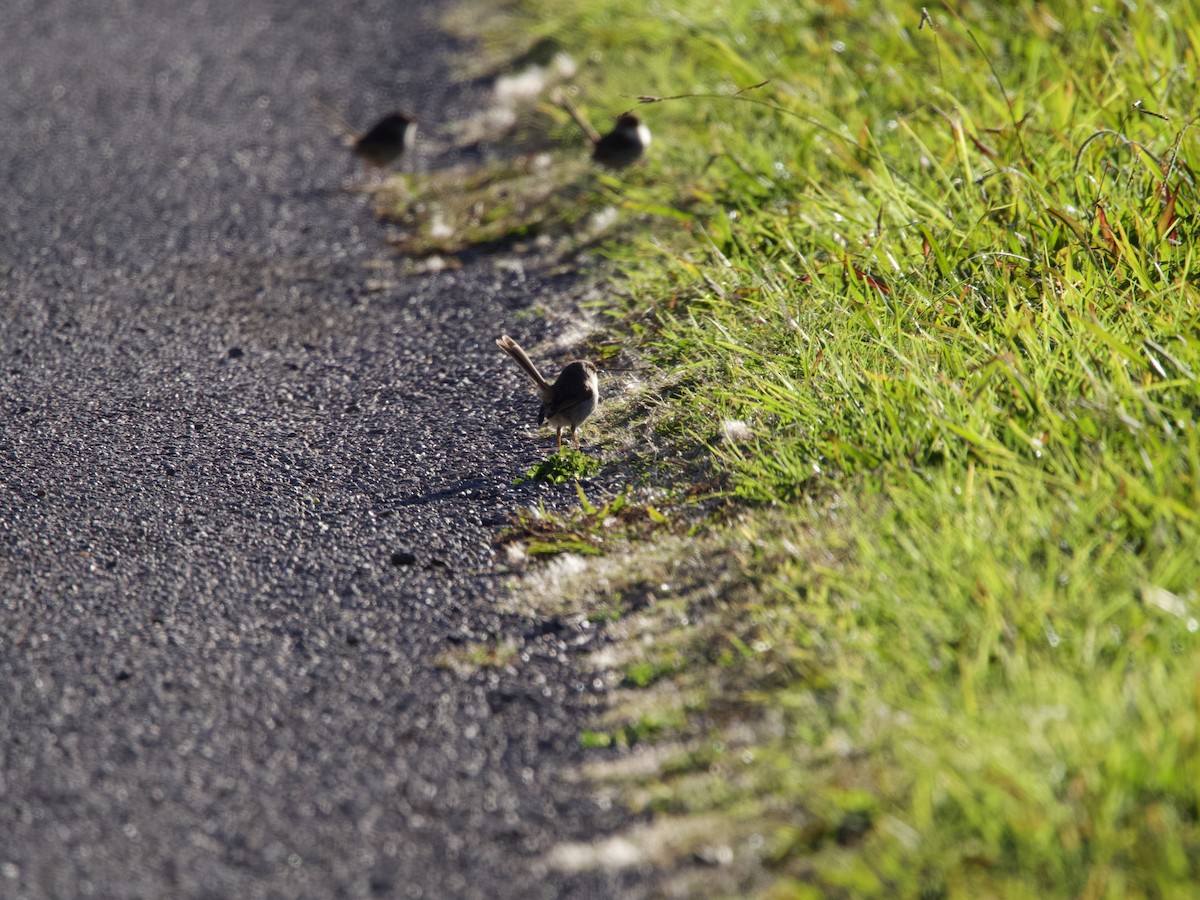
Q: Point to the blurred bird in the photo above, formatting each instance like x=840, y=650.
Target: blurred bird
x=380, y=145
x=387, y=140
x=621, y=147
x=566, y=402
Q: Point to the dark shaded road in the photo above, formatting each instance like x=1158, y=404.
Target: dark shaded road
x=249, y=480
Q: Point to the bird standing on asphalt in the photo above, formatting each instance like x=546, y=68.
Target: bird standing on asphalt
x=387, y=140
x=380, y=145
x=621, y=147
x=566, y=402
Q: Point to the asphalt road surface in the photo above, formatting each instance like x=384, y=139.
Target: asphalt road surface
x=250, y=479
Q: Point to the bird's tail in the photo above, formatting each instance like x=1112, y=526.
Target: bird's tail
x=565, y=102
x=513, y=349
x=336, y=121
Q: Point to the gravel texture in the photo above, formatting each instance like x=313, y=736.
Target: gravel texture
x=250, y=478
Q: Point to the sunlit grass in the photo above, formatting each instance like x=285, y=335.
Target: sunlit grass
x=944, y=270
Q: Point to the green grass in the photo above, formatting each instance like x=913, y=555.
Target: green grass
x=589, y=531
x=947, y=278
x=563, y=466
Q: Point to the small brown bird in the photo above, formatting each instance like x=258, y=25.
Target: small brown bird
x=624, y=145
x=381, y=144
x=387, y=140
x=621, y=147
x=566, y=402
